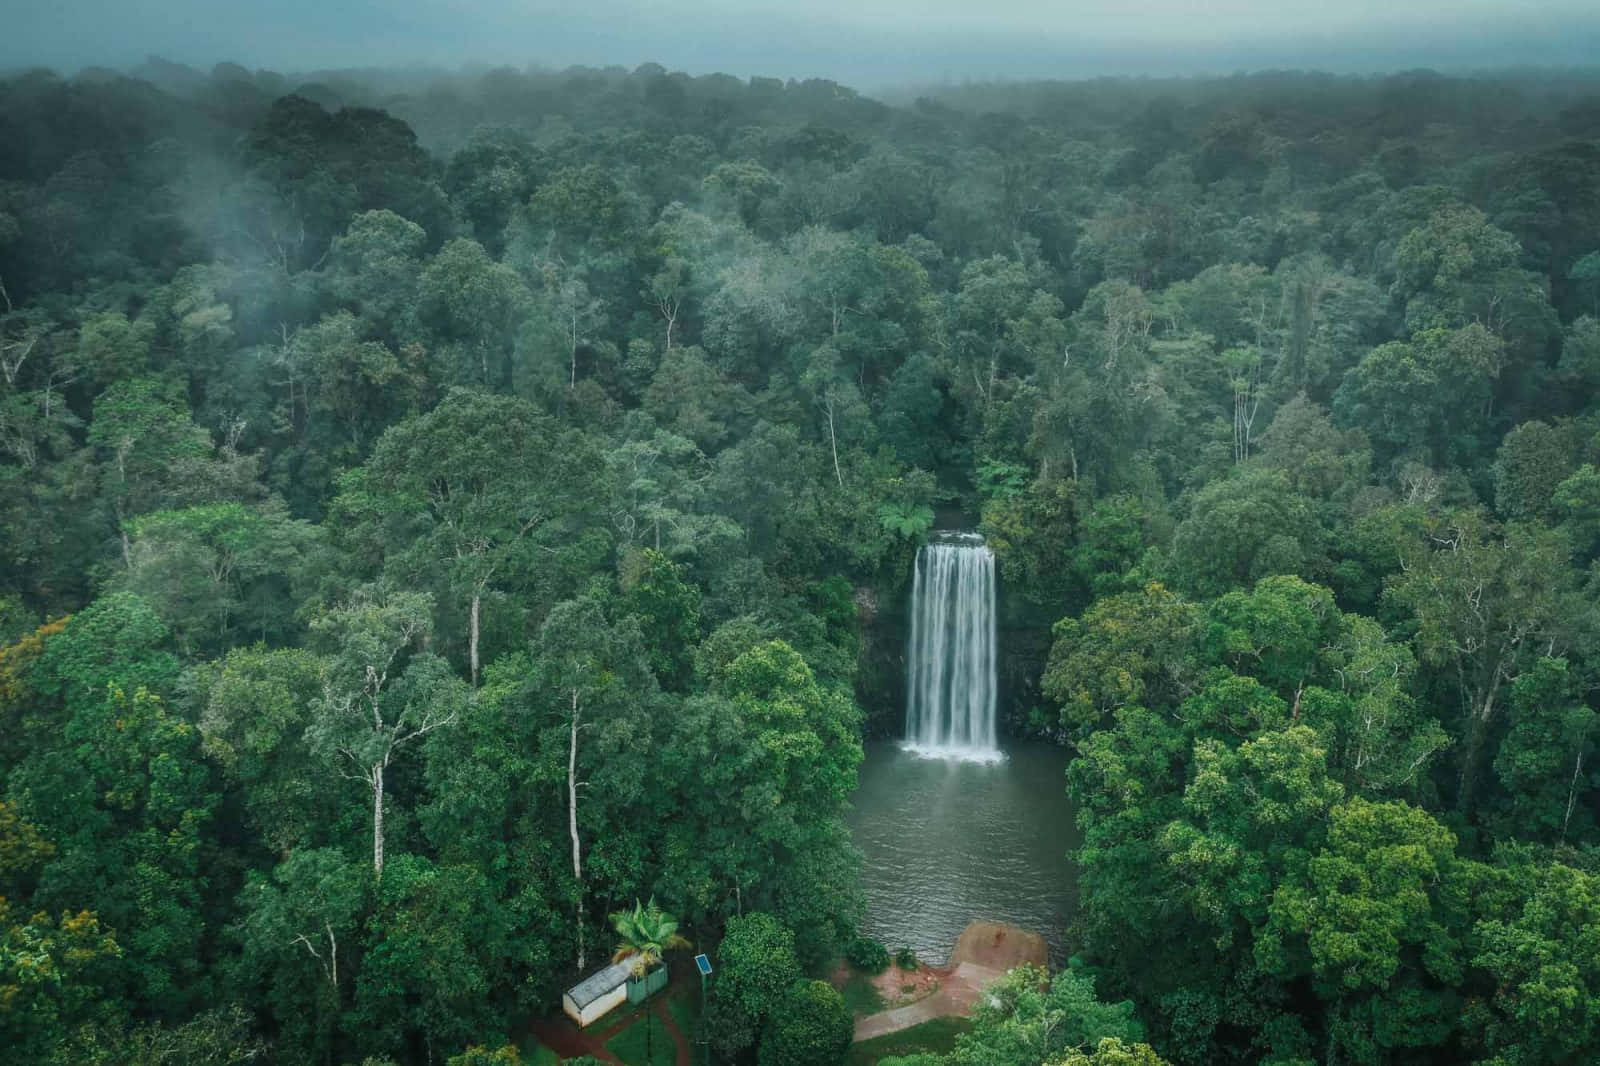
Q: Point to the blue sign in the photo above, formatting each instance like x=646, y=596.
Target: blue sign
x=704, y=965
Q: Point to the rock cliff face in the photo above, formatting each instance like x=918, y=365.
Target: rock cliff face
x=881, y=666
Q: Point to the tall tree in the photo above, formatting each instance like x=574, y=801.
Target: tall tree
x=595, y=676
x=380, y=690
x=482, y=493
x=1487, y=604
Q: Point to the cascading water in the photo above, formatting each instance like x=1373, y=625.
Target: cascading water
x=951, y=688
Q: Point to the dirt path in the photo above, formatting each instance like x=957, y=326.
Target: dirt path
x=570, y=1042
x=685, y=1052
x=558, y=1032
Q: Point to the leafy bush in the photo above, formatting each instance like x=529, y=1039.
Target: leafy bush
x=812, y=1027
x=756, y=966
x=909, y=521
x=482, y=1056
x=867, y=955
x=906, y=959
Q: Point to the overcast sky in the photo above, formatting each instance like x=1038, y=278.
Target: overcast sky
x=868, y=43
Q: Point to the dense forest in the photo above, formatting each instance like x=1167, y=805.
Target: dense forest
x=439, y=512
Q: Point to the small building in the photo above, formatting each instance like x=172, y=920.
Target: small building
x=598, y=993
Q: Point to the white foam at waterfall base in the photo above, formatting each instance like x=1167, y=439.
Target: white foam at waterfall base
x=985, y=756
x=950, y=691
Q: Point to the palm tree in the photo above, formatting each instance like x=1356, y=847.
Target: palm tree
x=645, y=933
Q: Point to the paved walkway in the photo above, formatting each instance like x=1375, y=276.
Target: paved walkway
x=956, y=995
x=983, y=952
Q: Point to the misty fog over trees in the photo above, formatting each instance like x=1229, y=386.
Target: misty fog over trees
x=439, y=512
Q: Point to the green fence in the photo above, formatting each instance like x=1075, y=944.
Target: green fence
x=640, y=988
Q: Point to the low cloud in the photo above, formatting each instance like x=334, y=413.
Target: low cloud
x=872, y=43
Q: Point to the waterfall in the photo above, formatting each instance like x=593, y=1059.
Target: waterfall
x=951, y=688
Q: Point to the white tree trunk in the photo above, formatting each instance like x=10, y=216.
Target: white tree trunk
x=572, y=819
x=833, y=443
x=1572, y=793
x=333, y=956
x=572, y=381
x=472, y=638
x=377, y=819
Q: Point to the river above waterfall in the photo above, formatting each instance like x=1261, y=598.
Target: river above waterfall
x=946, y=843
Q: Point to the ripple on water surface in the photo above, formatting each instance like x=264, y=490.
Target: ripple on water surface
x=949, y=841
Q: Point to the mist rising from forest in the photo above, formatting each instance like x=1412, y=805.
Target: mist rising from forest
x=870, y=46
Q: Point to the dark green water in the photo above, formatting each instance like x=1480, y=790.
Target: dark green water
x=948, y=843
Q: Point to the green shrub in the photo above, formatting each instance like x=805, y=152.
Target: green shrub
x=482, y=1056
x=755, y=966
x=906, y=959
x=811, y=1027
x=867, y=955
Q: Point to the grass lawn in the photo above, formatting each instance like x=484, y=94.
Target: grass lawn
x=938, y=1035
x=626, y=1014
x=685, y=1011
x=536, y=1054
x=861, y=995
x=629, y=1044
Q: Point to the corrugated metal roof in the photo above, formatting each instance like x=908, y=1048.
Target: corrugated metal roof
x=599, y=983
